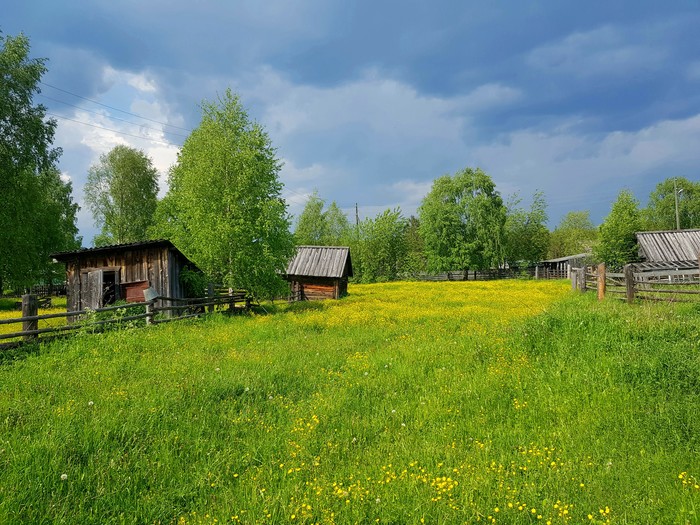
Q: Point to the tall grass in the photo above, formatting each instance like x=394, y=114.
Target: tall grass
x=506, y=402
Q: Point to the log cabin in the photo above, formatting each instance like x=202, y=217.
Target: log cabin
x=319, y=272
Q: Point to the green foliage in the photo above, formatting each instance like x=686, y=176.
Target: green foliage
x=337, y=226
x=224, y=208
x=380, y=250
x=194, y=282
x=462, y=222
x=311, y=224
x=575, y=234
x=660, y=213
x=37, y=214
x=617, y=243
x=316, y=227
x=526, y=233
x=416, y=261
x=121, y=192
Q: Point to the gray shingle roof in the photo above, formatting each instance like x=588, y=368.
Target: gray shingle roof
x=320, y=261
x=683, y=245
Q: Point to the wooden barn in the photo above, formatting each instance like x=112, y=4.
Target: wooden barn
x=319, y=272
x=97, y=277
x=669, y=246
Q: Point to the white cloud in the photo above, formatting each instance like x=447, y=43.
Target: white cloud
x=488, y=96
x=140, y=81
x=603, y=51
x=582, y=171
x=378, y=104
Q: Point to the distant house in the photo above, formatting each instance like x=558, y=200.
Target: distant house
x=561, y=266
x=675, y=246
x=319, y=272
x=97, y=277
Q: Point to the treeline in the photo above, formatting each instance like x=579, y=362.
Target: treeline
x=463, y=224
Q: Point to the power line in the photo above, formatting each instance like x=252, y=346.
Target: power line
x=113, y=117
x=113, y=130
x=113, y=108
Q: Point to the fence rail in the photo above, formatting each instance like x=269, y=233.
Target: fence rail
x=635, y=283
x=152, y=312
x=536, y=272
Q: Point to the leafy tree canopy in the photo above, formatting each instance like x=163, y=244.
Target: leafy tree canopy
x=224, y=207
x=122, y=194
x=37, y=213
x=660, y=213
x=319, y=227
x=527, y=236
x=379, y=250
x=311, y=224
x=461, y=222
x=575, y=234
x=617, y=243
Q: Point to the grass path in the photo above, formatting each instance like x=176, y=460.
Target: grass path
x=506, y=402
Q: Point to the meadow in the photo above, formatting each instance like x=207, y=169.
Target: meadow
x=514, y=402
x=9, y=311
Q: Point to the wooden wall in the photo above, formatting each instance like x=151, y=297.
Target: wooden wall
x=318, y=288
x=159, y=266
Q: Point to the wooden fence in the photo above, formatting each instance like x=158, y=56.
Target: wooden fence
x=537, y=272
x=635, y=282
x=158, y=310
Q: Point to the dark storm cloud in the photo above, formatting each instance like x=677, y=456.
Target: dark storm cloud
x=370, y=101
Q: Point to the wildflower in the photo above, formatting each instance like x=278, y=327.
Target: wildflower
x=90, y=403
x=64, y=477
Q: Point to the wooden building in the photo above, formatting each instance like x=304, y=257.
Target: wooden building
x=96, y=277
x=561, y=266
x=319, y=272
x=671, y=246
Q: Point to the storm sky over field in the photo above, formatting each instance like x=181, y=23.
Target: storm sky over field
x=368, y=102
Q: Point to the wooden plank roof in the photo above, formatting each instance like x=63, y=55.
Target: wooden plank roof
x=669, y=246
x=115, y=248
x=567, y=258
x=321, y=261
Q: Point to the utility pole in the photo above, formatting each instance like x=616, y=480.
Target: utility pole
x=675, y=195
x=357, y=216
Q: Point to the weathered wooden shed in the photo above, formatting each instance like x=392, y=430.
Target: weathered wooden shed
x=669, y=246
x=561, y=266
x=96, y=277
x=319, y=272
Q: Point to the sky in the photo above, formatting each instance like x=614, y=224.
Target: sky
x=368, y=102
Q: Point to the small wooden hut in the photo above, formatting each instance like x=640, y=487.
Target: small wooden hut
x=97, y=277
x=319, y=272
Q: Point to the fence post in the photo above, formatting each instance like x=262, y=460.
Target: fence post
x=537, y=272
x=629, y=282
x=210, y=294
x=149, y=312
x=574, y=280
x=601, y=281
x=582, y=278
x=30, y=307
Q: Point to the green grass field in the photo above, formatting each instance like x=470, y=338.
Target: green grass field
x=511, y=402
x=8, y=311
